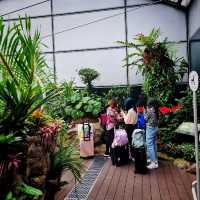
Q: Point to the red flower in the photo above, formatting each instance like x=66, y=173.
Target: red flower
x=165, y=110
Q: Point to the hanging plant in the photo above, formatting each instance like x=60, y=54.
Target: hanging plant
x=155, y=61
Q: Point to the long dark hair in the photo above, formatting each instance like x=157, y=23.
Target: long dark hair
x=141, y=101
x=153, y=103
x=129, y=103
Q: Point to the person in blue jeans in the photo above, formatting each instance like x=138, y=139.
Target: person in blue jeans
x=151, y=117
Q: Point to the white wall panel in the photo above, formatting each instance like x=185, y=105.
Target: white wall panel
x=63, y=6
x=135, y=77
x=194, y=16
x=49, y=60
x=99, y=34
x=170, y=21
x=108, y=63
x=12, y=5
x=44, y=26
x=181, y=50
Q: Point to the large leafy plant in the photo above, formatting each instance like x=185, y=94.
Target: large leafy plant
x=82, y=104
x=23, y=89
x=22, y=68
x=169, y=122
x=157, y=63
x=25, y=192
x=75, y=104
x=67, y=156
x=119, y=93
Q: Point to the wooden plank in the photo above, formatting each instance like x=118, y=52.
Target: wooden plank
x=99, y=182
x=170, y=183
x=146, y=189
x=138, y=187
x=105, y=185
x=67, y=176
x=129, y=187
x=179, y=183
x=155, y=192
x=119, y=195
x=162, y=184
x=113, y=184
x=187, y=182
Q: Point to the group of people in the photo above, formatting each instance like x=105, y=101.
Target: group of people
x=130, y=116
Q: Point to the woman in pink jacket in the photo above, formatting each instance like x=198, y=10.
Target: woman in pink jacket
x=112, y=118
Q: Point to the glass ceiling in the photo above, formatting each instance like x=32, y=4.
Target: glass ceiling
x=178, y=3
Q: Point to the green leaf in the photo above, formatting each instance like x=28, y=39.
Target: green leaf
x=29, y=190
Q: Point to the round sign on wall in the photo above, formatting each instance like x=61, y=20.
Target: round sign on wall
x=193, y=81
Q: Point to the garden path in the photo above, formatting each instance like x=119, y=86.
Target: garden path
x=121, y=183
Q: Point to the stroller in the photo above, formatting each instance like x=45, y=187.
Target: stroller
x=119, y=149
x=139, y=151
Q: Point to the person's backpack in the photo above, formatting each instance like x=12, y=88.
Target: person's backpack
x=141, y=123
x=138, y=138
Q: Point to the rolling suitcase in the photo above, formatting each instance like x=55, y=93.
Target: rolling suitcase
x=120, y=155
x=119, y=149
x=140, y=160
x=85, y=133
x=139, y=151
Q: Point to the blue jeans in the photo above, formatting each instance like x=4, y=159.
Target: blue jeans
x=151, y=137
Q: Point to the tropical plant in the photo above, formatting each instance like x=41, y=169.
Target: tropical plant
x=74, y=104
x=25, y=192
x=169, y=122
x=55, y=107
x=66, y=157
x=187, y=101
x=81, y=105
x=156, y=62
x=23, y=89
x=119, y=93
x=88, y=75
x=188, y=151
x=48, y=134
x=22, y=67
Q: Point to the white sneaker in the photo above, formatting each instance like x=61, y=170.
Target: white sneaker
x=148, y=160
x=153, y=165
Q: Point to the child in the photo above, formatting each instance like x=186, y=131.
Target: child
x=151, y=117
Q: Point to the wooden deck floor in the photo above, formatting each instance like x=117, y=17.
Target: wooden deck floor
x=120, y=183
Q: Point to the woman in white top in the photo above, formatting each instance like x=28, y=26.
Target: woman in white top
x=130, y=117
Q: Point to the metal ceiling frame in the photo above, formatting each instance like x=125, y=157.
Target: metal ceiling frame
x=177, y=4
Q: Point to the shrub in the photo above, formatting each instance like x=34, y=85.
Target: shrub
x=88, y=75
x=188, y=151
